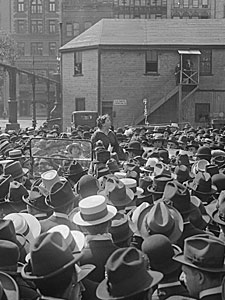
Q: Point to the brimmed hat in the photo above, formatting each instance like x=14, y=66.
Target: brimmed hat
x=135, y=147
x=120, y=229
x=218, y=180
x=132, y=184
x=162, y=219
x=74, y=238
x=101, y=156
x=182, y=173
x=9, y=257
x=73, y=145
x=15, y=154
x=4, y=186
x=87, y=185
x=126, y=275
x=112, y=165
x=16, y=192
x=9, y=286
x=15, y=169
x=50, y=256
x=60, y=195
x=219, y=161
x=150, y=164
x=94, y=211
x=218, y=214
x=202, y=184
x=204, y=151
x=203, y=252
x=49, y=178
x=159, y=183
x=25, y=224
x=118, y=193
x=160, y=252
x=212, y=169
x=75, y=171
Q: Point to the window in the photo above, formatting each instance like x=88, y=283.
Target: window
x=76, y=29
x=69, y=29
x=164, y=2
x=186, y=3
x=151, y=61
x=77, y=62
x=52, y=5
x=206, y=62
x=153, y=2
x=52, y=27
x=87, y=25
x=21, y=48
x=52, y=49
x=79, y=104
x=21, y=26
x=36, y=48
x=195, y=3
x=205, y=3
x=176, y=3
x=36, y=6
x=202, y=112
x=36, y=26
x=20, y=5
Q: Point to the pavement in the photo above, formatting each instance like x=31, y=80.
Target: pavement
x=24, y=122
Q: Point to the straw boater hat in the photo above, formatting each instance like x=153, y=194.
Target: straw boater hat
x=94, y=211
x=131, y=183
x=49, y=178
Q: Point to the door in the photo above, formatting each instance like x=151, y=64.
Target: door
x=202, y=113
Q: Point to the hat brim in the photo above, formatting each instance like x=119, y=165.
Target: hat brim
x=216, y=218
x=76, y=174
x=102, y=291
x=178, y=223
x=10, y=286
x=24, y=172
x=84, y=271
x=26, y=271
x=77, y=219
x=33, y=224
x=181, y=259
x=79, y=238
x=212, y=191
x=46, y=209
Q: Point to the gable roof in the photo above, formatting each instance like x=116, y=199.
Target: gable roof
x=145, y=32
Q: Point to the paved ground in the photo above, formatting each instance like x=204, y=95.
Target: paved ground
x=23, y=122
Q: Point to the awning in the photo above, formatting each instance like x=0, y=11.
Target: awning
x=189, y=52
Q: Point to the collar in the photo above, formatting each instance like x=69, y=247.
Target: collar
x=212, y=291
x=169, y=284
x=60, y=215
x=187, y=222
x=40, y=215
x=99, y=237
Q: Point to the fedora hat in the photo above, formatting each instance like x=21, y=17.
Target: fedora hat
x=49, y=178
x=182, y=173
x=60, y=195
x=4, y=186
x=101, y=156
x=219, y=161
x=102, y=171
x=132, y=184
x=36, y=199
x=50, y=256
x=118, y=193
x=74, y=238
x=133, y=215
x=15, y=169
x=162, y=219
x=112, y=165
x=160, y=252
x=76, y=171
x=8, y=287
x=218, y=213
x=25, y=224
x=212, y=169
x=87, y=185
x=203, y=151
x=16, y=192
x=120, y=229
x=218, y=180
x=94, y=211
x=135, y=147
x=83, y=271
x=202, y=184
x=204, y=252
x=9, y=257
x=159, y=183
x=126, y=275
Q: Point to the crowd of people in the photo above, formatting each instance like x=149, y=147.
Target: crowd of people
x=143, y=219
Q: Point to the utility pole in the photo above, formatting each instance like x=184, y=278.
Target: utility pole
x=34, y=120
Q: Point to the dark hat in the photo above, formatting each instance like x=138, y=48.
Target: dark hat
x=9, y=289
x=120, y=229
x=203, y=252
x=164, y=156
x=204, y=151
x=9, y=257
x=193, y=143
x=218, y=215
x=219, y=161
x=126, y=275
x=4, y=186
x=202, y=184
x=212, y=169
x=145, y=183
x=15, y=169
x=112, y=165
x=16, y=192
x=172, y=139
x=50, y=256
x=102, y=171
x=61, y=194
x=182, y=173
x=8, y=232
x=136, y=147
x=118, y=194
x=76, y=171
x=36, y=199
x=162, y=219
x=87, y=185
x=159, y=183
x=160, y=252
x=183, y=159
x=101, y=156
x=218, y=180
x=158, y=137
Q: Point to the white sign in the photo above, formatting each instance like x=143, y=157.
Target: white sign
x=119, y=102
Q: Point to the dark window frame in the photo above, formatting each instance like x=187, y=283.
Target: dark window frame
x=69, y=31
x=36, y=48
x=37, y=26
x=21, y=26
x=151, y=66
x=36, y=6
x=77, y=63
x=52, y=6
x=52, y=26
x=21, y=48
x=52, y=50
x=205, y=71
x=20, y=5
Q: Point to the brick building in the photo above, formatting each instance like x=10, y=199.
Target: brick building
x=116, y=64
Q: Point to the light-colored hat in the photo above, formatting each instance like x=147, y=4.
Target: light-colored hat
x=132, y=184
x=120, y=175
x=74, y=238
x=134, y=214
x=25, y=224
x=94, y=211
x=49, y=178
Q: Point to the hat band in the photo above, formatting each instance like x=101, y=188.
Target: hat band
x=95, y=216
x=203, y=263
x=25, y=233
x=222, y=216
x=165, y=232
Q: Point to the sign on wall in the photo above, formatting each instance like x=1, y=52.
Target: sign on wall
x=119, y=102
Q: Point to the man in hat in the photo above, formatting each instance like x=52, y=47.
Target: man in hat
x=203, y=266
x=127, y=277
x=94, y=219
x=52, y=268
